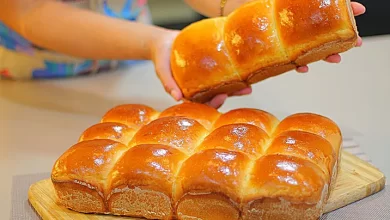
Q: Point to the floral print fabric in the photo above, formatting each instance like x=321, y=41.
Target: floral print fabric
x=20, y=59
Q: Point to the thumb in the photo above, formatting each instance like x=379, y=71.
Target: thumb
x=164, y=73
x=162, y=56
x=217, y=101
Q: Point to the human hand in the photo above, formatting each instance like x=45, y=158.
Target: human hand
x=358, y=9
x=161, y=53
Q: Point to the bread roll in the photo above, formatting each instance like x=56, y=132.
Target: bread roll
x=246, y=138
x=132, y=115
x=204, y=114
x=190, y=161
x=142, y=181
x=258, y=40
x=108, y=130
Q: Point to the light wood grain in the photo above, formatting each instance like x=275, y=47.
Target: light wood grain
x=357, y=180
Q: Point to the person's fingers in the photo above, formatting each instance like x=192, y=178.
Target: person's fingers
x=359, y=42
x=335, y=58
x=163, y=68
x=217, y=101
x=358, y=9
x=164, y=74
x=302, y=69
x=245, y=91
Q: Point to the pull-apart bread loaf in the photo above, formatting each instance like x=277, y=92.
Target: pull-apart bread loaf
x=191, y=161
x=259, y=40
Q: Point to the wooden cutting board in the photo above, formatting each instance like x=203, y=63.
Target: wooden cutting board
x=357, y=179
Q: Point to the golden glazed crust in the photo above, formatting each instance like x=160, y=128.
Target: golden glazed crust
x=258, y=40
x=193, y=162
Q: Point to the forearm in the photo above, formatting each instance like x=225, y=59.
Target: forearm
x=211, y=8
x=78, y=32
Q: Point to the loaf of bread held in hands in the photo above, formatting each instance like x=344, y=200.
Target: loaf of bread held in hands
x=260, y=39
x=191, y=161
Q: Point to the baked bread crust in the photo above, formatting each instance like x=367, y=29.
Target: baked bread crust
x=192, y=162
x=258, y=40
